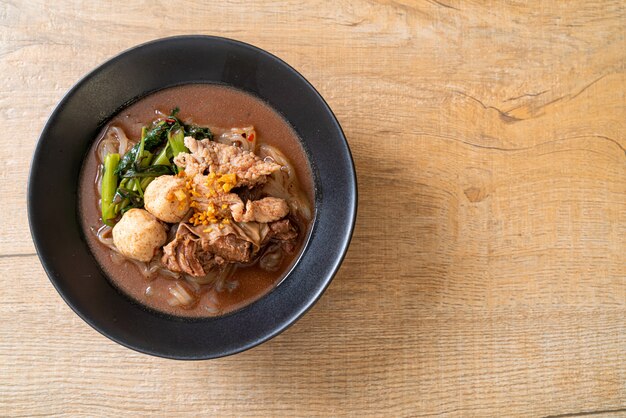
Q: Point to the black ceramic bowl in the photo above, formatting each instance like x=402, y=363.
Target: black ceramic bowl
x=73, y=125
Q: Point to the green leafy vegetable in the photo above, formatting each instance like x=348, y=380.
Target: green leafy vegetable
x=176, y=141
x=162, y=157
x=152, y=171
x=152, y=139
x=198, y=132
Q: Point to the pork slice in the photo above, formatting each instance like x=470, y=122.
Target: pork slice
x=180, y=256
x=208, y=156
x=268, y=209
x=184, y=254
x=205, y=198
x=282, y=230
x=230, y=248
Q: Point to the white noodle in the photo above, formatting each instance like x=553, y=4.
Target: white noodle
x=105, y=236
x=272, y=259
x=239, y=137
x=231, y=285
x=180, y=295
x=214, y=277
x=194, y=284
x=113, y=140
x=211, y=309
x=284, y=183
x=121, y=138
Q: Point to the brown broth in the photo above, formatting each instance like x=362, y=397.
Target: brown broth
x=220, y=108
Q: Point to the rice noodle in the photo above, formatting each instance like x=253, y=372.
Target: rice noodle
x=240, y=137
x=211, y=303
x=272, y=259
x=179, y=295
x=98, y=183
x=211, y=309
x=193, y=283
x=231, y=285
x=214, y=277
x=151, y=269
x=218, y=286
x=284, y=183
x=113, y=140
x=121, y=138
x=117, y=258
x=105, y=236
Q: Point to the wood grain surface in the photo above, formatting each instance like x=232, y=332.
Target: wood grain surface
x=487, y=273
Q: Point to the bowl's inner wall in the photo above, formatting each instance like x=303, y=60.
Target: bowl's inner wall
x=128, y=77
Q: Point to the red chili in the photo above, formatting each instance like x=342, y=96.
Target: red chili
x=251, y=137
x=170, y=120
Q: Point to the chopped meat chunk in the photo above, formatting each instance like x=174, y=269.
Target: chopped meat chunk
x=206, y=196
x=182, y=255
x=196, y=250
x=284, y=232
x=213, y=157
x=265, y=210
x=230, y=248
x=268, y=209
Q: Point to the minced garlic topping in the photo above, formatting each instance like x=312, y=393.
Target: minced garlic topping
x=216, y=185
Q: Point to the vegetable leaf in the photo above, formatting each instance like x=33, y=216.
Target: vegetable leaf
x=198, y=132
x=151, y=171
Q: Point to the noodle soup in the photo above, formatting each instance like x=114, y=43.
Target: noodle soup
x=196, y=212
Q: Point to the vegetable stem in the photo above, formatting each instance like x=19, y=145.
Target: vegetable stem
x=109, y=186
x=176, y=142
x=162, y=158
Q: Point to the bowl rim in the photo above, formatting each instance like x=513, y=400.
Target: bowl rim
x=345, y=239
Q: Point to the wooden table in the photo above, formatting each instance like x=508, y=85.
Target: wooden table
x=487, y=273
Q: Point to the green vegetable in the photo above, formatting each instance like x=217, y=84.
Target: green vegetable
x=198, y=132
x=130, y=200
x=176, y=141
x=156, y=135
x=145, y=181
x=109, y=185
x=162, y=157
x=152, y=171
x=194, y=131
x=142, y=146
x=137, y=187
x=150, y=141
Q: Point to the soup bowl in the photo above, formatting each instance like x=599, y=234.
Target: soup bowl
x=126, y=78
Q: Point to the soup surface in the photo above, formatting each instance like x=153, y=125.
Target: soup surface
x=227, y=285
